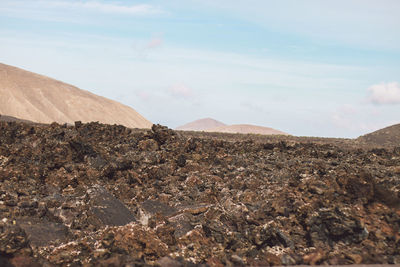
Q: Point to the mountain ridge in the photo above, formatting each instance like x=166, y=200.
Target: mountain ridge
x=212, y=125
x=247, y=129
x=38, y=98
x=386, y=136
x=200, y=125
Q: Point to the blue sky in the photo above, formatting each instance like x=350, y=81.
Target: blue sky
x=310, y=67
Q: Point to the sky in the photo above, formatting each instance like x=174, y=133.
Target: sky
x=309, y=68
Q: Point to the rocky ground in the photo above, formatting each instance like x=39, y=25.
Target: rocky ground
x=101, y=195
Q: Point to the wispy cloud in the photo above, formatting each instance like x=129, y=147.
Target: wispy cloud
x=254, y=107
x=349, y=121
x=139, y=9
x=45, y=9
x=348, y=109
x=181, y=90
x=357, y=119
x=143, y=49
x=343, y=117
x=143, y=95
x=359, y=23
x=384, y=93
x=154, y=43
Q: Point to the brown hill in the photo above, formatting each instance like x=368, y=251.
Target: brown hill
x=10, y=118
x=386, y=136
x=247, y=129
x=201, y=125
x=38, y=98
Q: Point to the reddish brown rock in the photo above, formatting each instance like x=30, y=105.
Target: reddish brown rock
x=101, y=195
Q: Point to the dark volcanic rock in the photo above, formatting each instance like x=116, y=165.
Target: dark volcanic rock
x=44, y=233
x=334, y=226
x=154, y=207
x=13, y=239
x=102, y=195
x=106, y=209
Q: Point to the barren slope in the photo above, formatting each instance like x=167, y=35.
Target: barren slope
x=201, y=125
x=38, y=98
x=10, y=118
x=246, y=129
x=386, y=136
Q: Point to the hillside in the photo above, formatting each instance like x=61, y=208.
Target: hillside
x=246, y=129
x=200, y=125
x=211, y=125
x=10, y=118
x=38, y=98
x=389, y=136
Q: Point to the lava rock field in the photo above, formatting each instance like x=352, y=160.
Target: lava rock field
x=102, y=195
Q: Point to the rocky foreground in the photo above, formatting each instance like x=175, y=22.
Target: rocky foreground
x=100, y=195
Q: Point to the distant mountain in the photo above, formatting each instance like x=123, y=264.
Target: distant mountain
x=38, y=98
x=201, y=125
x=246, y=129
x=386, y=136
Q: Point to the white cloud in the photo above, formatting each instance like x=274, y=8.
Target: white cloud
x=181, y=90
x=384, y=93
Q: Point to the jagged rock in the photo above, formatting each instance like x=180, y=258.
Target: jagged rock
x=154, y=207
x=24, y=261
x=331, y=226
x=13, y=238
x=106, y=209
x=161, y=133
x=181, y=224
x=103, y=195
x=148, y=145
x=168, y=262
x=181, y=161
x=44, y=233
